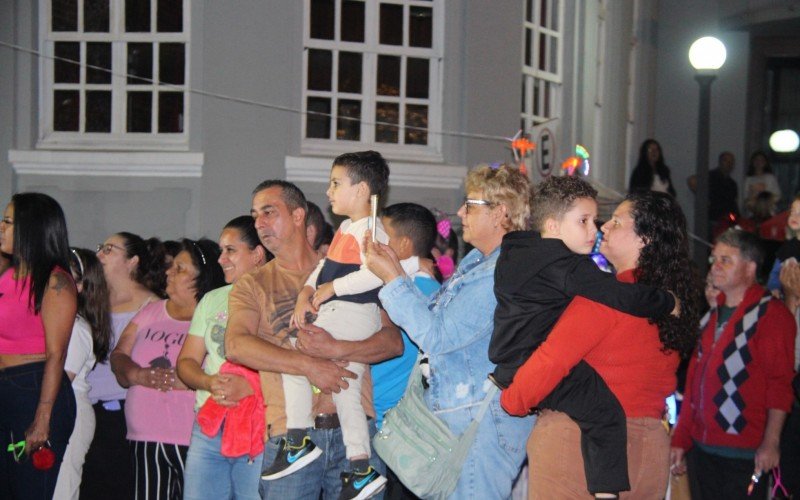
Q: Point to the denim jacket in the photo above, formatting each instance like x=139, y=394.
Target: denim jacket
x=454, y=327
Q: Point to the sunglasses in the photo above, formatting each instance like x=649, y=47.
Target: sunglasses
x=106, y=248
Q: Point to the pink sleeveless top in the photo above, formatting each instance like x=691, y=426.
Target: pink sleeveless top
x=21, y=330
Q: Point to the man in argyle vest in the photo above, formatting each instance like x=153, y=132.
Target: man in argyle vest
x=738, y=388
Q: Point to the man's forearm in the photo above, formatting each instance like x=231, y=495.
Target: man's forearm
x=387, y=343
x=258, y=354
x=772, y=431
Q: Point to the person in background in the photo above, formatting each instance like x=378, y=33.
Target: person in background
x=317, y=228
x=760, y=179
x=144, y=361
x=738, y=387
x=90, y=341
x=199, y=363
x=790, y=248
x=38, y=303
x=454, y=326
x=650, y=172
x=722, y=191
x=171, y=249
x=635, y=357
x=134, y=270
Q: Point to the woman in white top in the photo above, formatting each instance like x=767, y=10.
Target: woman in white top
x=760, y=178
x=91, y=337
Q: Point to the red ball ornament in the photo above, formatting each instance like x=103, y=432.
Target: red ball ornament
x=43, y=458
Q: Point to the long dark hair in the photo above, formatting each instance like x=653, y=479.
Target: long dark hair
x=642, y=176
x=93, y=300
x=41, y=243
x=204, y=254
x=664, y=263
x=151, y=270
x=247, y=232
x=751, y=169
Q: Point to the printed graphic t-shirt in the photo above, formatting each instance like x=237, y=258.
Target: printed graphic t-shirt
x=209, y=322
x=152, y=415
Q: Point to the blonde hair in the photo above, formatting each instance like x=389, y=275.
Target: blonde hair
x=503, y=185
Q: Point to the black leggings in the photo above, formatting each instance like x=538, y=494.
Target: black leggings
x=159, y=470
x=20, y=389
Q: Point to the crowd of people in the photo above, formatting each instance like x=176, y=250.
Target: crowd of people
x=266, y=364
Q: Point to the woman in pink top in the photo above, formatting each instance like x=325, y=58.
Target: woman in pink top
x=160, y=408
x=38, y=302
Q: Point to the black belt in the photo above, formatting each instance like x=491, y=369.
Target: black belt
x=110, y=405
x=327, y=421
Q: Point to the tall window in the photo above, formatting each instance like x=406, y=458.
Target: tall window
x=120, y=72
x=541, y=61
x=372, y=72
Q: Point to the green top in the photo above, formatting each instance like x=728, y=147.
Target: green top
x=209, y=322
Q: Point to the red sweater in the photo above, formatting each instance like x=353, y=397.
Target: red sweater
x=768, y=385
x=623, y=349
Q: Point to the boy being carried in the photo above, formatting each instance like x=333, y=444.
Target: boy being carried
x=537, y=275
x=344, y=295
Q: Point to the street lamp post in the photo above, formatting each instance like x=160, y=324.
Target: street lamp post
x=706, y=55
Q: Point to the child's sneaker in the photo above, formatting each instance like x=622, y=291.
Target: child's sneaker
x=358, y=486
x=291, y=459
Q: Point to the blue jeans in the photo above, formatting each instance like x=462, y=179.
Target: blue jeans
x=211, y=476
x=320, y=476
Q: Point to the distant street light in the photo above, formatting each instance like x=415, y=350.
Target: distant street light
x=706, y=55
x=784, y=141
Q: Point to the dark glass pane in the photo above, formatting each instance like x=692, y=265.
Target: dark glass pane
x=554, y=18
x=547, y=112
x=529, y=11
x=388, y=75
x=391, y=26
x=95, y=16
x=524, y=95
x=169, y=16
x=98, y=111
x=140, y=63
x=386, y=112
x=140, y=111
x=98, y=54
x=416, y=124
x=351, y=27
x=417, y=77
x=170, y=112
x=350, y=72
x=322, y=19
x=528, y=46
x=542, y=51
x=420, y=28
x=66, y=105
x=320, y=69
x=536, y=83
x=65, y=15
x=67, y=72
x=543, y=13
x=171, y=63
x=348, y=123
x=318, y=118
x=137, y=15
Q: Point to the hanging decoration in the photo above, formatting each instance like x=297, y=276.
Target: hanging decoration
x=579, y=161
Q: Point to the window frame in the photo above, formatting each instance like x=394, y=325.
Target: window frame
x=370, y=49
x=118, y=138
x=531, y=74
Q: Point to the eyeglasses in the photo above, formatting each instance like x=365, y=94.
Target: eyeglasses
x=474, y=202
x=106, y=248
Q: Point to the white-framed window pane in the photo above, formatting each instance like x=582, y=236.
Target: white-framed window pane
x=119, y=72
x=541, y=61
x=370, y=70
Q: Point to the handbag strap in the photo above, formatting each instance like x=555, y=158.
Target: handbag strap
x=485, y=404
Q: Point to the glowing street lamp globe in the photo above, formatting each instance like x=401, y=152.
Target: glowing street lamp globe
x=707, y=54
x=784, y=141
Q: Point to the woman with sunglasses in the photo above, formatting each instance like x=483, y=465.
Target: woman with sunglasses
x=160, y=408
x=134, y=269
x=199, y=365
x=455, y=325
x=89, y=344
x=38, y=302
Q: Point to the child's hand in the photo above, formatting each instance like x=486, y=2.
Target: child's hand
x=323, y=293
x=303, y=308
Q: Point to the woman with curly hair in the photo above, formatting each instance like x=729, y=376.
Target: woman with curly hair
x=636, y=358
